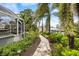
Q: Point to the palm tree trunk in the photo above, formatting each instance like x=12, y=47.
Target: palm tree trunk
x=42, y=25
x=66, y=20
x=71, y=34
x=49, y=24
x=39, y=26
x=71, y=41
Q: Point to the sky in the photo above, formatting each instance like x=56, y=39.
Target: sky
x=17, y=7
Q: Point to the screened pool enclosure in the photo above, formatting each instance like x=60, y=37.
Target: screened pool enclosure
x=11, y=26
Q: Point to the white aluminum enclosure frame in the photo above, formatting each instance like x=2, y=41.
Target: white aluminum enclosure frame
x=9, y=13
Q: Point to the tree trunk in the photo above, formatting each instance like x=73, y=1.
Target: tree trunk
x=39, y=26
x=49, y=26
x=71, y=41
x=42, y=25
x=71, y=35
x=49, y=22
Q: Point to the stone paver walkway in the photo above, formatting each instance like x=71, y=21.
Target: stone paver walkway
x=43, y=48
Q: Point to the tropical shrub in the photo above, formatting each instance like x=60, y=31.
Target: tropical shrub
x=76, y=35
x=55, y=37
x=59, y=44
x=64, y=40
x=76, y=43
x=45, y=34
x=70, y=53
x=16, y=48
x=56, y=49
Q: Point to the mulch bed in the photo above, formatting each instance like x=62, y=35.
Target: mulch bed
x=30, y=51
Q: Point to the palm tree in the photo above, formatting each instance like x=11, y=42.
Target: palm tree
x=42, y=11
x=48, y=21
x=66, y=20
x=70, y=25
x=65, y=17
x=67, y=23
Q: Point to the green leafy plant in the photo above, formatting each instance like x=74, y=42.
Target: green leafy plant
x=16, y=48
x=64, y=40
x=55, y=37
x=70, y=53
x=56, y=49
x=76, y=43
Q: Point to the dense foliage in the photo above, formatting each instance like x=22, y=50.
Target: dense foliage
x=70, y=52
x=16, y=48
x=27, y=16
x=60, y=46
